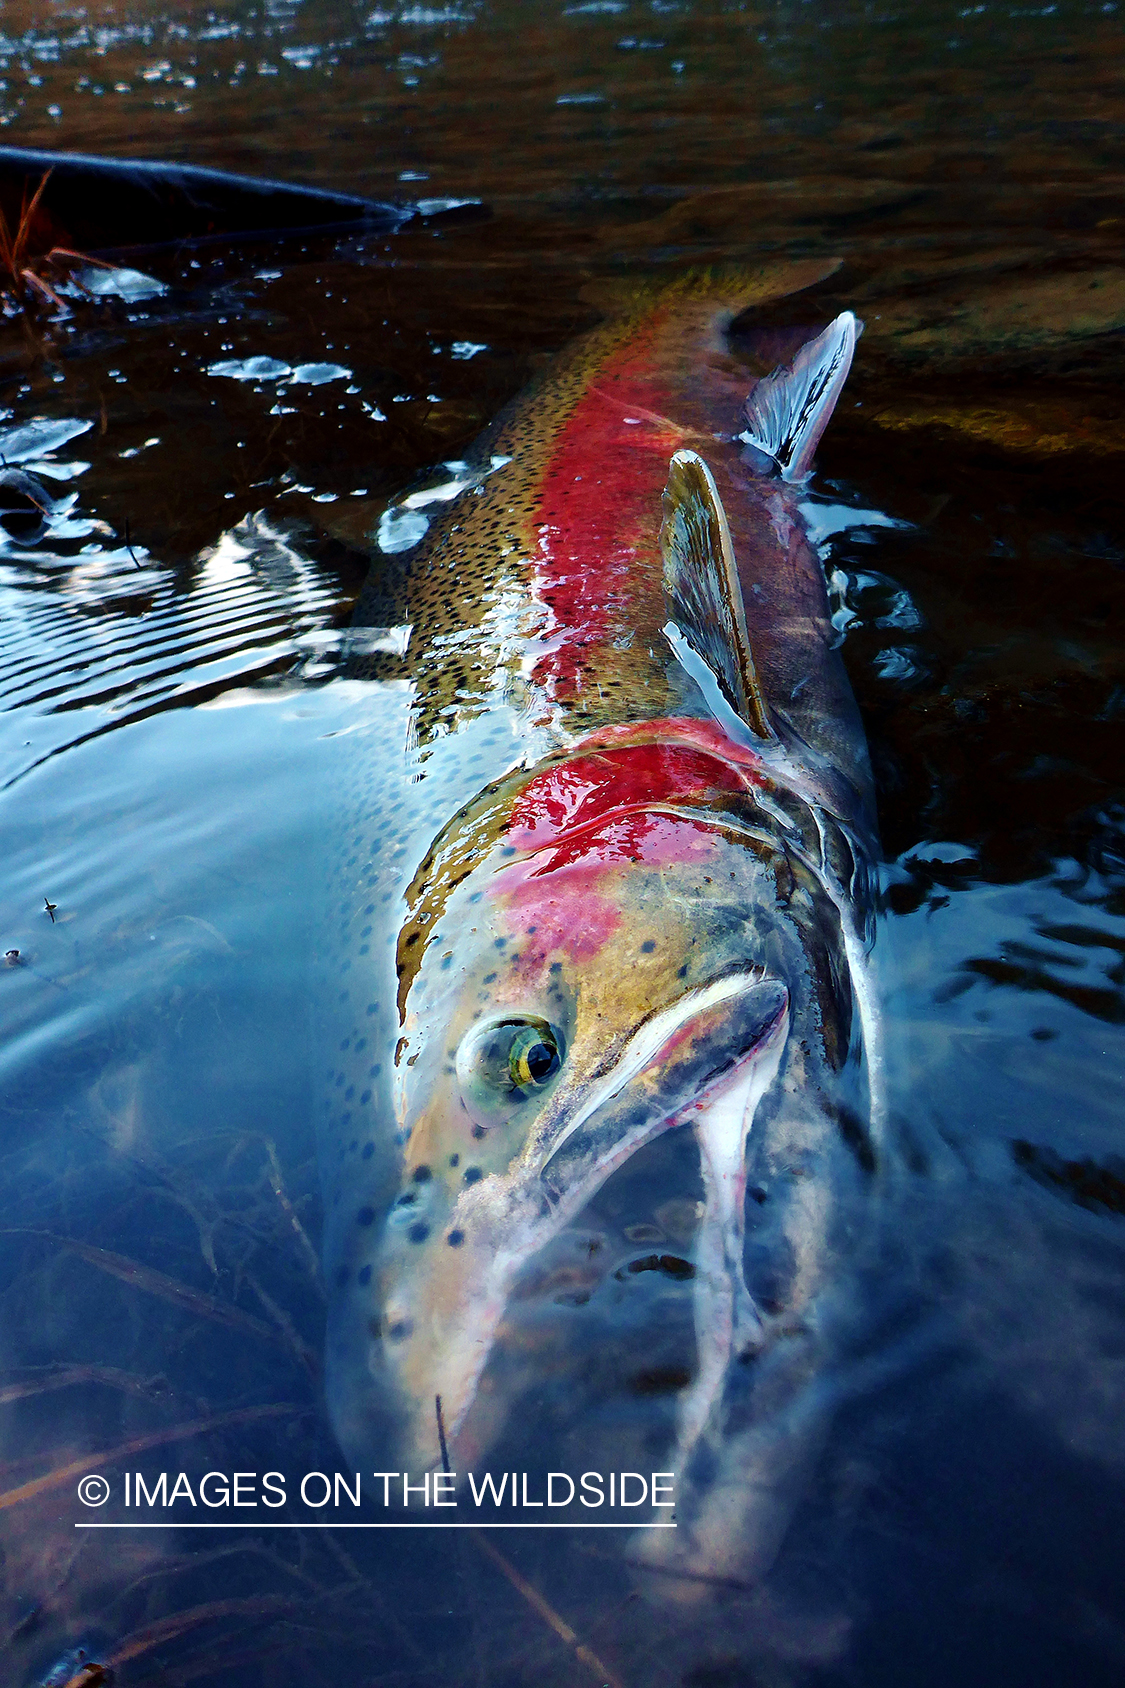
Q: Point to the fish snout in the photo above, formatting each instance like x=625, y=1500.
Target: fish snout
x=445, y=1272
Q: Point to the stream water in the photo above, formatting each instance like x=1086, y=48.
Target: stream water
x=179, y=718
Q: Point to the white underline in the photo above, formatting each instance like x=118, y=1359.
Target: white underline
x=423, y=1524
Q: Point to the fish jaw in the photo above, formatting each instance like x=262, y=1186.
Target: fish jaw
x=445, y=1293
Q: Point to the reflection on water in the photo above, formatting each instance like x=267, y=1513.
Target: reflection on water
x=184, y=742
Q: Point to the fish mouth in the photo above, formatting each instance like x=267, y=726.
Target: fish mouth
x=676, y=1061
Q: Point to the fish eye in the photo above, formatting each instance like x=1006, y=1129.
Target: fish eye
x=505, y=1062
x=533, y=1057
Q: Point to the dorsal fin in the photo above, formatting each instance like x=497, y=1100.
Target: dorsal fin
x=701, y=585
x=788, y=411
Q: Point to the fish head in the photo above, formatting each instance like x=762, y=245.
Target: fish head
x=588, y=961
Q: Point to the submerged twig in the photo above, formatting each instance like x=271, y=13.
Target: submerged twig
x=128, y=542
x=547, y=1612
x=286, y=1327
x=90, y=1675
x=152, y=1439
x=68, y=1377
x=441, y=1435
x=147, y=1278
x=168, y=1629
x=532, y=1595
x=22, y=282
x=278, y=1187
x=13, y=246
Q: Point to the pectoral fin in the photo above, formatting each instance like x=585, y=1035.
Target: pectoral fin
x=701, y=585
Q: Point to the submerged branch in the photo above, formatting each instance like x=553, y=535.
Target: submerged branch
x=152, y=1439
x=147, y=1278
x=535, y=1600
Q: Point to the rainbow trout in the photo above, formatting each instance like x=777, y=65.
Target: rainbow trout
x=639, y=892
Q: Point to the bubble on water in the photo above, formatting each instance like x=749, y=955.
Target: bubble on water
x=126, y=284
x=316, y=374
x=251, y=369
x=400, y=529
x=36, y=438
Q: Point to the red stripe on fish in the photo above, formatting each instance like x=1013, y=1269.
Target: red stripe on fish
x=614, y=779
x=598, y=512
x=679, y=729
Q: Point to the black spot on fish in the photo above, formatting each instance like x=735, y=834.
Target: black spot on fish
x=681, y=972
x=555, y=967
x=670, y=1264
x=455, y=1160
x=490, y=978
x=455, y=1239
x=422, y=1175
x=419, y=1231
x=857, y=1138
x=473, y=1175
x=1097, y=1186
x=501, y=943
x=365, y=1097
x=365, y=1216
x=407, y=1199
x=661, y=1380
x=478, y=1130
x=648, y=946
x=363, y=1276
x=368, y=1150
x=400, y=1330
